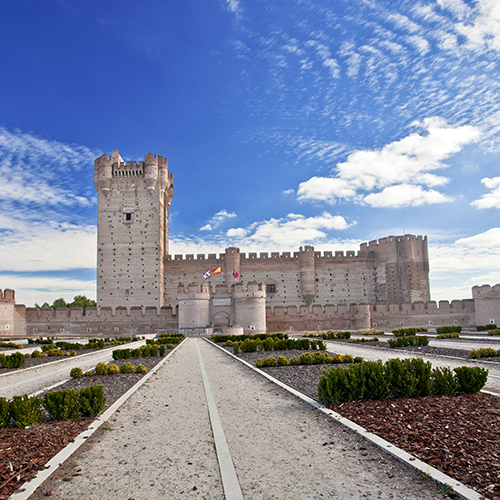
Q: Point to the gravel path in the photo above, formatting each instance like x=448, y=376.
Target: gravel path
x=160, y=444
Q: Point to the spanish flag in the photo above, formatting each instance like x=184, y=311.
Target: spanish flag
x=216, y=270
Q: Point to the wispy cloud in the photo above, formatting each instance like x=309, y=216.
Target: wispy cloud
x=217, y=220
x=401, y=169
x=491, y=199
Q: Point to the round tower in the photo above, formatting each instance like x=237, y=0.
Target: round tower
x=250, y=306
x=103, y=171
x=194, y=306
x=233, y=261
x=307, y=274
x=151, y=171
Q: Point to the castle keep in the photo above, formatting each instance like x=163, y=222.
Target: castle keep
x=142, y=288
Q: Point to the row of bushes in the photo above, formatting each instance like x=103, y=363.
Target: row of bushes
x=241, y=338
x=14, y=360
x=336, y=335
x=397, y=378
x=482, y=328
x=11, y=345
x=484, y=352
x=403, y=332
x=104, y=369
x=61, y=405
x=145, y=351
x=451, y=335
x=167, y=339
x=413, y=340
x=273, y=344
x=362, y=339
x=308, y=358
x=448, y=329
x=379, y=332
x=495, y=331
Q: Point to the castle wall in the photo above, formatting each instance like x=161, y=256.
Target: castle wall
x=487, y=301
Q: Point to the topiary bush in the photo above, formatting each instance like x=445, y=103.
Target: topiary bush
x=448, y=329
x=101, y=369
x=127, y=368
x=36, y=353
x=14, y=360
x=259, y=363
x=236, y=348
x=4, y=413
x=25, y=411
x=443, y=381
x=161, y=350
x=88, y=373
x=76, y=372
x=471, y=379
x=282, y=361
x=92, y=400
x=306, y=358
x=270, y=361
x=141, y=369
x=62, y=405
x=294, y=361
x=113, y=369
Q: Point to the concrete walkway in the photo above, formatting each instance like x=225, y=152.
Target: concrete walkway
x=161, y=445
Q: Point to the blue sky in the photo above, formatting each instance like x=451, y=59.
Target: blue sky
x=285, y=123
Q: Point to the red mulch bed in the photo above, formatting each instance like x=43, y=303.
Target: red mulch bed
x=459, y=435
x=23, y=452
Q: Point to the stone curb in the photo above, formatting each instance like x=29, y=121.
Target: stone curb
x=28, y=488
x=460, y=489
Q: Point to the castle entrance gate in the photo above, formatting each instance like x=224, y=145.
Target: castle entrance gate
x=221, y=319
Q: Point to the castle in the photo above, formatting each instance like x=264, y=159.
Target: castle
x=141, y=288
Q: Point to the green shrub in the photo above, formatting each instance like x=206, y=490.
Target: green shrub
x=162, y=350
x=267, y=344
x=282, y=361
x=362, y=339
x=25, y=411
x=36, y=353
x=306, y=358
x=259, y=363
x=170, y=346
x=14, y=360
x=294, y=361
x=448, y=329
x=399, y=378
x=113, y=369
x=76, y=373
x=482, y=328
x=270, y=361
x=248, y=346
x=422, y=372
x=332, y=387
x=338, y=358
x=358, y=359
x=403, y=332
x=378, y=332
x=122, y=354
x=451, y=335
x=236, y=348
x=92, y=400
x=62, y=405
x=443, y=381
x=101, y=369
x=471, y=379
x=88, y=373
x=483, y=352
x=141, y=369
x=55, y=352
x=127, y=368
x=409, y=340
x=495, y=331
x=375, y=382
x=4, y=413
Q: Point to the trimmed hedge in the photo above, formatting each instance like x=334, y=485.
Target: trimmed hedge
x=407, y=340
x=14, y=360
x=448, y=329
x=484, y=352
x=403, y=332
x=396, y=378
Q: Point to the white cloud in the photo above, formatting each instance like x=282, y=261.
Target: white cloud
x=238, y=232
x=492, y=199
x=333, y=66
x=482, y=28
x=289, y=191
x=405, y=195
x=407, y=162
x=37, y=247
x=234, y=6
x=39, y=289
x=217, y=220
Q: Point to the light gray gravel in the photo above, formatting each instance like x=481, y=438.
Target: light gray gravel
x=160, y=445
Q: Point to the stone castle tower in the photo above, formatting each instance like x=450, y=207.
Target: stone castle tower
x=132, y=229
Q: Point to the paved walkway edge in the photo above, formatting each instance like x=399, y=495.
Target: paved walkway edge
x=28, y=488
x=230, y=483
x=460, y=489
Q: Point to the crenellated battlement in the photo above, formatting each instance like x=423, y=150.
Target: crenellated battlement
x=390, y=240
x=8, y=296
x=486, y=291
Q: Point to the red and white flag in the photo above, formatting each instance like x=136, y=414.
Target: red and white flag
x=207, y=274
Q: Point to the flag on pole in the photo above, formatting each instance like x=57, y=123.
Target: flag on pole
x=217, y=270
x=235, y=274
x=207, y=274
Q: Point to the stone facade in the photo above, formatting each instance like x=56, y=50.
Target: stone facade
x=12, y=315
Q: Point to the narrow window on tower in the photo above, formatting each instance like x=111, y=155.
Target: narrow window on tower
x=128, y=216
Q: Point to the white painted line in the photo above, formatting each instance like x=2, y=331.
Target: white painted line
x=230, y=483
x=28, y=488
x=460, y=489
